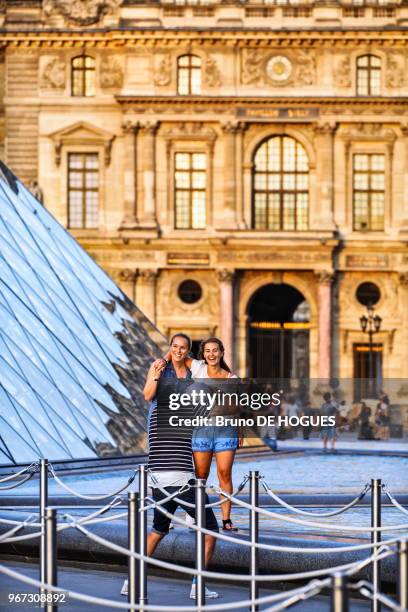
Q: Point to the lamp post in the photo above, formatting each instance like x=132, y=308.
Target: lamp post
x=370, y=324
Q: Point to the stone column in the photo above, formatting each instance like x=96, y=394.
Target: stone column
x=239, y=140
x=226, y=316
x=148, y=133
x=146, y=293
x=129, y=220
x=229, y=212
x=324, y=279
x=325, y=175
x=127, y=281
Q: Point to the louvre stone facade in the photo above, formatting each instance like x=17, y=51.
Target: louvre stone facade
x=238, y=168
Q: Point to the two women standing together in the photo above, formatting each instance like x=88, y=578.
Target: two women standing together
x=206, y=441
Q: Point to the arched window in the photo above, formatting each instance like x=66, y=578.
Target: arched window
x=83, y=76
x=280, y=185
x=189, y=75
x=368, y=75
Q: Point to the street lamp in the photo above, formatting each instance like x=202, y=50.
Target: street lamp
x=370, y=324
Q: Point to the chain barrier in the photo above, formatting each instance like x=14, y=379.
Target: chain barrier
x=367, y=590
x=137, y=557
x=90, y=497
x=150, y=608
x=33, y=468
x=393, y=500
x=281, y=502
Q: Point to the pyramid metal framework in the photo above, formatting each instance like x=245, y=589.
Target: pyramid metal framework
x=74, y=350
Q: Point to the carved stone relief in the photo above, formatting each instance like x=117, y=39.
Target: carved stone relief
x=80, y=12
x=111, y=73
x=54, y=74
x=369, y=131
x=260, y=67
x=162, y=75
x=342, y=72
x=394, y=71
x=212, y=73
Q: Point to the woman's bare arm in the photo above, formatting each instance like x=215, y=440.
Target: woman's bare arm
x=152, y=380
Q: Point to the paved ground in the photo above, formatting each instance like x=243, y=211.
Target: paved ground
x=162, y=591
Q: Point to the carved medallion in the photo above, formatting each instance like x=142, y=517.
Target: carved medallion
x=279, y=69
x=80, y=12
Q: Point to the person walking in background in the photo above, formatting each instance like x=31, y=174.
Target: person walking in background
x=366, y=430
x=382, y=420
x=329, y=432
x=307, y=411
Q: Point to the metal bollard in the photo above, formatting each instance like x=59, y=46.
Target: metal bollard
x=51, y=555
x=403, y=574
x=133, y=539
x=339, y=593
x=200, y=541
x=142, y=529
x=376, y=488
x=43, y=506
x=254, y=536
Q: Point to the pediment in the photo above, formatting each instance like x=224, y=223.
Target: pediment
x=82, y=133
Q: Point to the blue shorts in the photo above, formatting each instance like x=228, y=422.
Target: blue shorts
x=215, y=439
x=329, y=431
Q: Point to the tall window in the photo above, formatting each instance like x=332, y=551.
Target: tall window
x=83, y=76
x=189, y=75
x=368, y=75
x=368, y=191
x=190, y=190
x=83, y=190
x=280, y=185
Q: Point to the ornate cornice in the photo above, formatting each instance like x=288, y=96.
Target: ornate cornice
x=230, y=37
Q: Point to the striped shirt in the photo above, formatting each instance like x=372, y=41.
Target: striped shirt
x=170, y=446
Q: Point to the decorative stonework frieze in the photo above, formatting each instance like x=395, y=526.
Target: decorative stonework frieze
x=80, y=12
x=260, y=67
x=212, y=74
x=163, y=72
x=342, y=72
x=306, y=68
x=53, y=75
x=111, y=73
x=252, y=70
x=369, y=132
x=191, y=130
x=324, y=277
x=394, y=71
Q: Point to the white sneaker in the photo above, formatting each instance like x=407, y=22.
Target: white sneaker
x=208, y=594
x=189, y=520
x=125, y=588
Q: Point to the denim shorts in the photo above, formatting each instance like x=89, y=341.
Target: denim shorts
x=215, y=439
x=329, y=431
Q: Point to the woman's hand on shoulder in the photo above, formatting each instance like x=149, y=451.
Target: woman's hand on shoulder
x=159, y=364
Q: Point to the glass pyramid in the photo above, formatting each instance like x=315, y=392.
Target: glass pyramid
x=74, y=350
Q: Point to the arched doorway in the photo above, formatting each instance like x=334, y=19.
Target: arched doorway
x=278, y=326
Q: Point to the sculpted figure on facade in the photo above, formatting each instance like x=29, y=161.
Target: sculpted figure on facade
x=252, y=67
x=162, y=76
x=80, y=12
x=342, y=72
x=306, y=71
x=111, y=73
x=394, y=75
x=212, y=74
x=54, y=74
